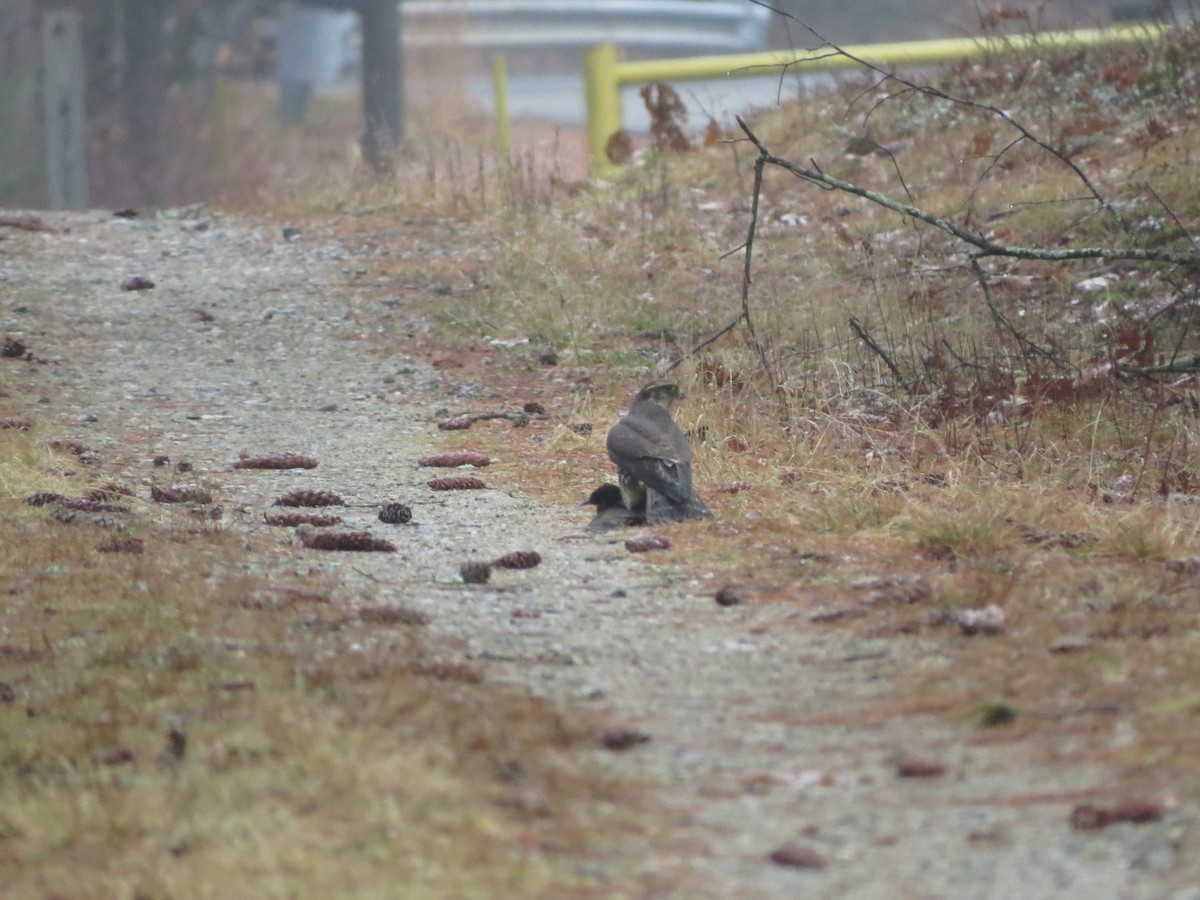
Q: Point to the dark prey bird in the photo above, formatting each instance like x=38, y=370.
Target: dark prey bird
x=611, y=511
x=653, y=459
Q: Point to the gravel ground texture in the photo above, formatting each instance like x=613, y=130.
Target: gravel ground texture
x=250, y=340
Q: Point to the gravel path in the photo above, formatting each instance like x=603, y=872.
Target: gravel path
x=742, y=704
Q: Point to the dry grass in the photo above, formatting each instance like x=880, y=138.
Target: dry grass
x=173, y=724
x=1067, y=498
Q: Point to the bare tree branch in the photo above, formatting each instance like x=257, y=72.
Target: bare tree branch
x=985, y=246
x=1025, y=343
x=939, y=94
x=759, y=166
x=744, y=315
x=881, y=353
x=1182, y=365
x=708, y=341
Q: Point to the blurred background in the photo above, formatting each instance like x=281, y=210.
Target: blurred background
x=145, y=103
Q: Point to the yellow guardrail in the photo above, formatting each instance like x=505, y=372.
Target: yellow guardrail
x=604, y=74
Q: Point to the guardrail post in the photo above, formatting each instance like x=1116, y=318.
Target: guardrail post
x=603, y=95
x=500, y=89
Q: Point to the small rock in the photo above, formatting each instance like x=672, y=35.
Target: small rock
x=137, y=283
x=983, y=620
x=475, y=572
x=642, y=543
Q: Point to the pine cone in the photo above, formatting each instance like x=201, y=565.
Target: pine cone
x=44, y=498
x=292, y=519
x=475, y=572
x=12, y=348
x=360, y=541
x=454, y=458
x=521, y=421
x=180, y=493
x=71, y=447
x=619, y=739
x=731, y=595
x=581, y=428
x=454, y=424
x=457, y=483
x=534, y=409
x=277, y=461
x=305, y=497
x=519, y=559
x=123, y=545
x=395, y=514
x=107, y=493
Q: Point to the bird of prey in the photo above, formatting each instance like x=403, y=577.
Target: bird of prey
x=653, y=459
x=611, y=511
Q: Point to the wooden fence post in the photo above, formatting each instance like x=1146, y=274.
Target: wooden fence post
x=62, y=95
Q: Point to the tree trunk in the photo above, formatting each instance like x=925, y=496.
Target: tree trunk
x=145, y=92
x=383, y=98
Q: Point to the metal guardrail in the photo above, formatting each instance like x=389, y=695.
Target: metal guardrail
x=688, y=26
x=605, y=75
